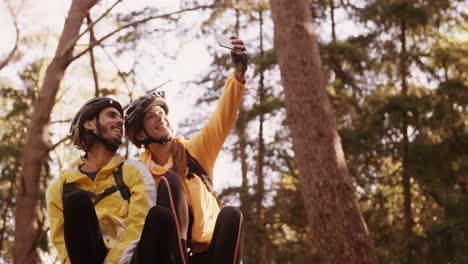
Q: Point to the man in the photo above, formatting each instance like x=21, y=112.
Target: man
x=97, y=208
x=183, y=170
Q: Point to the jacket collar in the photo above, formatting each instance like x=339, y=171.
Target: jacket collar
x=74, y=174
x=154, y=168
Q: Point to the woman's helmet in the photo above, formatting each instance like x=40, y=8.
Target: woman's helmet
x=135, y=114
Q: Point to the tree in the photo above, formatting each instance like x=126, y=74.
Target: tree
x=337, y=228
x=402, y=110
x=36, y=145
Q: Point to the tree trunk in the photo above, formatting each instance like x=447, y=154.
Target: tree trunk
x=337, y=230
x=92, y=40
x=260, y=192
x=36, y=146
x=332, y=17
x=240, y=130
x=405, y=144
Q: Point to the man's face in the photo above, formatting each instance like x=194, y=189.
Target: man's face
x=110, y=126
x=156, y=123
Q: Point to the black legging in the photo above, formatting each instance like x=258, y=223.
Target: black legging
x=226, y=243
x=159, y=239
x=82, y=234
x=164, y=236
x=84, y=242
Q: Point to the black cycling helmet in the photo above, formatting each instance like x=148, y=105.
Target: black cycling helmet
x=134, y=118
x=89, y=110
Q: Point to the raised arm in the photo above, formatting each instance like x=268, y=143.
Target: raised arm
x=207, y=143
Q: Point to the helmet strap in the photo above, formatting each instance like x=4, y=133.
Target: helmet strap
x=107, y=144
x=149, y=140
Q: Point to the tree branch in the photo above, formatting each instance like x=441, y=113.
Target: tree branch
x=139, y=22
x=119, y=72
x=92, y=39
x=59, y=121
x=15, y=48
x=71, y=44
x=58, y=143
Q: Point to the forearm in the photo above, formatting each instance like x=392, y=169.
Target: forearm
x=240, y=76
x=207, y=143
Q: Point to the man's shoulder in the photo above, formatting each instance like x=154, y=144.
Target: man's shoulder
x=55, y=188
x=133, y=166
x=136, y=175
x=70, y=174
x=133, y=163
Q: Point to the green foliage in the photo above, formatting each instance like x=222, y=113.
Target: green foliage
x=364, y=77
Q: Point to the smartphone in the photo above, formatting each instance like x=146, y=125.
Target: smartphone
x=224, y=41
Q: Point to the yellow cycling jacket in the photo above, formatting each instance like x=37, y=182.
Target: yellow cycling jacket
x=205, y=147
x=121, y=223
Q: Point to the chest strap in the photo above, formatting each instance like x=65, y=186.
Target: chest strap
x=119, y=186
x=194, y=168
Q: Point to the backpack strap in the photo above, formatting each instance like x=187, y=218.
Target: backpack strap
x=104, y=194
x=194, y=168
x=119, y=186
x=70, y=188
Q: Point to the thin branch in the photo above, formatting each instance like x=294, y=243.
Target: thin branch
x=119, y=72
x=349, y=5
x=92, y=39
x=59, y=98
x=139, y=22
x=73, y=41
x=15, y=48
x=60, y=121
x=58, y=143
x=87, y=45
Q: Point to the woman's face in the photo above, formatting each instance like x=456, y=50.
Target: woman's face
x=156, y=123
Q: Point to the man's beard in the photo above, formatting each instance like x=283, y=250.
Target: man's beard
x=103, y=130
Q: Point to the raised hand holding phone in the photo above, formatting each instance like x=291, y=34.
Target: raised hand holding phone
x=239, y=58
x=224, y=41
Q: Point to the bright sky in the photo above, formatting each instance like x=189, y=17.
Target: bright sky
x=192, y=59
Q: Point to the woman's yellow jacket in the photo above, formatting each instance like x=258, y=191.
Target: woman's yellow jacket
x=205, y=147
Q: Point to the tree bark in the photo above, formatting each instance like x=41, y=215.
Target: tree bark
x=36, y=146
x=260, y=192
x=332, y=17
x=337, y=230
x=405, y=149
x=92, y=39
x=240, y=130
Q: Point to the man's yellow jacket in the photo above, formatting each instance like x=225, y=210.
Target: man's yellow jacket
x=121, y=223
